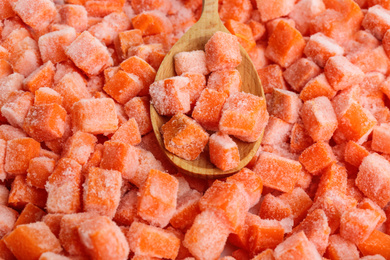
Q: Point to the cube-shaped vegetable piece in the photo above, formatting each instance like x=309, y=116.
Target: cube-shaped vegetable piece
x=128, y=132
x=42, y=77
x=151, y=23
x=304, y=12
x=8, y=132
x=123, y=86
x=152, y=241
x=316, y=87
x=340, y=248
x=355, y=153
x=37, y=14
x=285, y=45
x=95, y=116
x=45, y=122
x=39, y=170
x=376, y=21
x=208, y=234
x=341, y=73
x=223, y=151
x=334, y=177
x=270, y=10
x=277, y=172
x=31, y=240
x=146, y=162
x=196, y=86
x=319, y=118
x=228, y=197
x=184, y=137
x=276, y=133
x=5, y=66
x=169, y=96
x=244, y=115
x=263, y=234
x=75, y=16
x=19, y=153
x=190, y=61
x=186, y=211
x=274, y=208
x=8, y=219
x=317, y=157
x=299, y=202
x=377, y=243
x=316, y=228
x=271, y=77
x=222, y=52
x=127, y=209
x=381, y=138
x=51, y=45
x=158, y=198
x=21, y=194
x=126, y=40
x=121, y=157
x=6, y=10
x=251, y=182
x=297, y=246
x=366, y=203
x=356, y=225
x=285, y=105
x=103, y=239
x=227, y=81
x=139, y=109
x=301, y=72
x=243, y=32
x=30, y=214
x=46, y=95
x=79, y=147
x=208, y=108
x=64, y=187
x=320, y=48
x=374, y=171
x=102, y=8
x=17, y=107
x=143, y=70
x=102, y=191
x=89, y=54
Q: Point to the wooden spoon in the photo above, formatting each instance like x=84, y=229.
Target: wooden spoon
x=195, y=39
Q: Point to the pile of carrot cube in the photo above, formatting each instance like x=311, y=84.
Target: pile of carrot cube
x=82, y=176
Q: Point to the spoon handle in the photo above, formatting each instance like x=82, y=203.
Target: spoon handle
x=210, y=10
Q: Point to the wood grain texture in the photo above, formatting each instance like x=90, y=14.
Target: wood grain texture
x=195, y=39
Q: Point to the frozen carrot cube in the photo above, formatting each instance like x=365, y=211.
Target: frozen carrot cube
x=270, y=10
x=277, y=172
x=42, y=77
x=207, y=236
x=381, y=138
x=79, y=147
x=31, y=240
x=127, y=209
x=95, y=116
x=30, y=214
x=340, y=248
x=126, y=40
x=51, y=45
x=285, y=45
x=222, y=52
x=16, y=107
x=64, y=187
x=267, y=254
x=186, y=211
x=373, y=172
x=37, y=14
x=152, y=22
x=21, y=194
x=333, y=178
x=184, y=137
x=46, y=95
x=243, y=32
x=192, y=61
x=301, y=72
x=143, y=70
x=53, y=222
x=89, y=54
x=320, y=48
x=19, y=153
x=5, y=68
x=257, y=55
x=151, y=53
x=355, y=122
x=369, y=204
x=152, y=241
x=316, y=87
x=299, y=202
x=236, y=10
x=75, y=16
x=228, y=197
x=128, y=133
x=244, y=115
x=376, y=21
x=271, y=77
x=223, y=151
x=377, y=243
x=227, y=81
x=102, y=191
x=45, y=122
x=285, y=105
x=317, y=157
x=169, y=96
x=258, y=29
x=208, y=108
x=299, y=139
x=297, y=246
x=39, y=170
x=103, y=239
x=6, y=10
x=355, y=153
x=251, y=182
x=196, y=85
x=341, y=73
x=263, y=234
x=123, y=86
x=140, y=6
x=356, y=225
x=304, y=12
x=102, y=8
x=139, y=109
x=319, y=118
x=370, y=60
x=274, y=208
x=353, y=191
x=10, y=84
x=8, y=220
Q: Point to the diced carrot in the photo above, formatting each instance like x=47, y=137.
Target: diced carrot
x=152, y=53
x=30, y=214
x=376, y=21
x=39, y=170
x=317, y=157
x=285, y=45
x=5, y=253
x=19, y=153
x=303, y=12
x=320, y=48
x=243, y=32
x=353, y=191
x=377, y=59
x=127, y=39
x=299, y=139
x=380, y=138
x=355, y=153
x=369, y=204
x=223, y=151
x=271, y=77
x=270, y=10
x=140, y=6
x=316, y=87
x=102, y=8
x=193, y=61
x=227, y=81
x=8, y=219
x=37, y=14
x=236, y=10
x=276, y=133
x=5, y=68
x=17, y=107
x=299, y=202
x=79, y=147
x=150, y=23
x=377, y=243
x=274, y=208
x=300, y=72
x=53, y=222
x=6, y=10
x=297, y=247
x=285, y=105
x=127, y=209
x=264, y=234
x=186, y=211
x=333, y=178
x=21, y=194
x=340, y=248
x=257, y=55
x=46, y=95
x=75, y=16
x=123, y=86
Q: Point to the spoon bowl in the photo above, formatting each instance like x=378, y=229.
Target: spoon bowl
x=195, y=39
